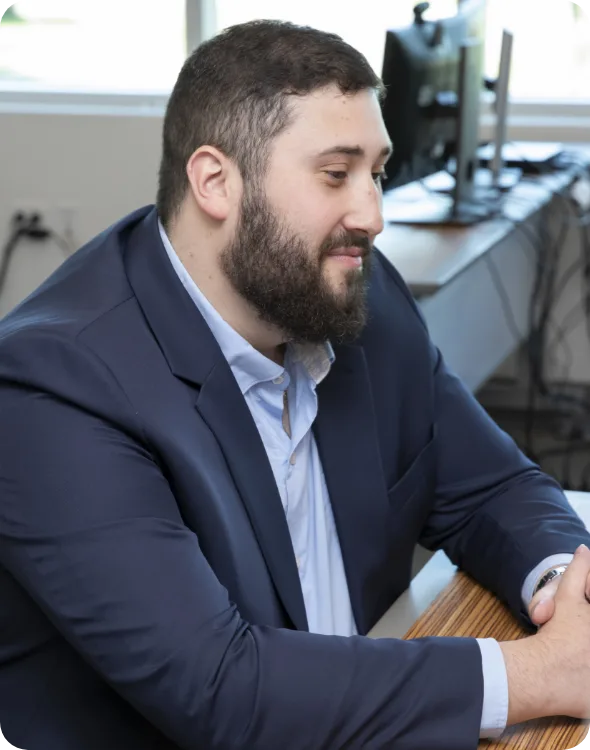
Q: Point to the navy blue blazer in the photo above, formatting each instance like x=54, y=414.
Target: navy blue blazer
x=149, y=592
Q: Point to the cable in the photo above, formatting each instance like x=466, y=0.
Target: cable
x=7, y=253
x=547, y=289
x=27, y=227
x=584, y=305
x=546, y=339
x=504, y=301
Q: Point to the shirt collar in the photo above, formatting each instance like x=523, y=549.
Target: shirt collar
x=248, y=365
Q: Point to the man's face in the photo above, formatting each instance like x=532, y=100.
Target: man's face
x=302, y=246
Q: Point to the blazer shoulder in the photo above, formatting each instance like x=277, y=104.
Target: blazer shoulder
x=41, y=361
x=388, y=288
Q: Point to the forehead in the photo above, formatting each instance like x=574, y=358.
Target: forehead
x=327, y=118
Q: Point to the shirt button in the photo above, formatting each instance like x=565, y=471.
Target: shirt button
x=278, y=380
x=293, y=459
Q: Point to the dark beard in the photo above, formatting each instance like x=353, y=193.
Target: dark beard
x=272, y=268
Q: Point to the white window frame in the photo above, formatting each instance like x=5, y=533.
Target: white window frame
x=527, y=120
x=549, y=120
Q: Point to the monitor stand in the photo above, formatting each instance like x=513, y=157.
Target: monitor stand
x=438, y=209
x=444, y=181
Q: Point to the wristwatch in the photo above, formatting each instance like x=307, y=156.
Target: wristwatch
x=549, y=576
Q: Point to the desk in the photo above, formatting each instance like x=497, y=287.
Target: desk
x=457, y=602
x=451, y=271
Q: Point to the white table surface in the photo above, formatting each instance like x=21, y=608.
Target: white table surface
x=434, y=577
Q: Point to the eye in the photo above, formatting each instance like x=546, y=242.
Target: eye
x=378, y=177
x=337, y=175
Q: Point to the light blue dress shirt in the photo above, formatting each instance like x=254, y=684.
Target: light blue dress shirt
x=297, y=470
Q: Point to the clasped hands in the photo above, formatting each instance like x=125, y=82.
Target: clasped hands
x=542, y=606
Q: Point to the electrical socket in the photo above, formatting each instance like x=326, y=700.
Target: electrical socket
x=60, y=218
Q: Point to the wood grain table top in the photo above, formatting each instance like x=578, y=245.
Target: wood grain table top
x=466, y=609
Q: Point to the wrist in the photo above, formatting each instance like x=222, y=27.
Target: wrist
x=531, y=679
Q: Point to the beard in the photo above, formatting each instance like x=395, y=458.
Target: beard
x=283, y=279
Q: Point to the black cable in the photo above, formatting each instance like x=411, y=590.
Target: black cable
x=504, y=300
x=545, y=337
x=27, y=227
x=581, y=309
x=547, y=289
x=7, y=253
x=545, y=301
x=518, y=336
x=534, y=349
x=584, y=306
x=534, y=261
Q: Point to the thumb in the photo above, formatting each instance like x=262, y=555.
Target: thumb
x=543, y=610
x=574, y=580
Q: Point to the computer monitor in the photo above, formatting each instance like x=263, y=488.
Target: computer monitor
x=421, y=73
x=502, y=92
x=433, y=72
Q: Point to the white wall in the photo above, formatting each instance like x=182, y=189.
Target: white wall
x=101, y=166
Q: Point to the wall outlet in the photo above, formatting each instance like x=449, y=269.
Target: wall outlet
x=59, y=219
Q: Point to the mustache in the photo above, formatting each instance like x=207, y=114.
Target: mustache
x=347, y=240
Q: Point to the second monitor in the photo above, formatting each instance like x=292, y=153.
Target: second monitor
x=433, y=73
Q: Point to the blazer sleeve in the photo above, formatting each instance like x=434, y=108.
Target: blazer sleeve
x=495, y=513
x=90, y=528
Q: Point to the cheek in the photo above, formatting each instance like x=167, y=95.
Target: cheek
x=307, y=210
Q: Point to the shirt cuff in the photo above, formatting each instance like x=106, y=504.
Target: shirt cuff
x=494, y=715
x=533, y=577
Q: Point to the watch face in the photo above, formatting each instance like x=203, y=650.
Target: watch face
x=549, y=576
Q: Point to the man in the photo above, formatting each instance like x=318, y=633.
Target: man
x=224, y=429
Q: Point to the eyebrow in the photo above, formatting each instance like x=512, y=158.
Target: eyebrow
x=357, y=151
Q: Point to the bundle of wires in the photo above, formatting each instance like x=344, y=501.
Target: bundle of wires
x=545, y=339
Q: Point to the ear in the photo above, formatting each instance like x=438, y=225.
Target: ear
x=211, y=176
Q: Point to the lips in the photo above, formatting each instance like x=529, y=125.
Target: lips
x=352, y=252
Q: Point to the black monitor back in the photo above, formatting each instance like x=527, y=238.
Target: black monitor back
x=421, y=75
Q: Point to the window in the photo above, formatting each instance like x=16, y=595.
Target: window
x=361, y=23
x=107, y=46
x=551, y=51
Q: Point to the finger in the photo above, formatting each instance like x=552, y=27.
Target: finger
x=574, y=580
x=543, y=611
x=588, y=589
x=547, y=593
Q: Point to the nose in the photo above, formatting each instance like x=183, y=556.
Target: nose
x=365, y=213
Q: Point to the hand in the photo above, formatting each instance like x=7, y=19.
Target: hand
x=549, y=673
x=542, y=606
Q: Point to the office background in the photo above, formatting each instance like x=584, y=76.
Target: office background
x=82, y=93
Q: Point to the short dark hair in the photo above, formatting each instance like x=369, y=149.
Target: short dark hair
x=233, y=90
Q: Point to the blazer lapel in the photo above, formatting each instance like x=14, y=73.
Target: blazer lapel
x=194, y=355
x=346, y=436
x=223, y=407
